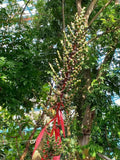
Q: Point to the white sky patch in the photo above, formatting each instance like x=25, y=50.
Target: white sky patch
x=33, y=11
x=99, y=32
x=21, y=3
x=26, y=13
x=3, y=5
x=2, y=28
x=118, y=101
x=29, y=11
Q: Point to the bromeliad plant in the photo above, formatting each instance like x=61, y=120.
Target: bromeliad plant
x=66, y=82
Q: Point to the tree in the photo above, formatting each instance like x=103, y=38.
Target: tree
x=13, y=135
x=95, y=76
x=22, y=69
x=23, y=76
x=98, y=80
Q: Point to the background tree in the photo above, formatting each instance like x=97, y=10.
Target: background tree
x=20, y=74
x=94, y=74
x=22, y=77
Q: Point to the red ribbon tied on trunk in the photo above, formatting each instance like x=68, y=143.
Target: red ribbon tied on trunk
x=57, y=119
x=38, y=140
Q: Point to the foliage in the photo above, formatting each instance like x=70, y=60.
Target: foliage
x=14, y=135
x=24, y=71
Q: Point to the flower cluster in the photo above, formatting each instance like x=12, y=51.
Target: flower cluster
x=67, y=78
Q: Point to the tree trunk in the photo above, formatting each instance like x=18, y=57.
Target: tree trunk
x=28, y=144
x=117, y=2
x=31, y=136
x=63, y=14
x=63, y=19
x=79, y=7
x=89, y=11
x=87, y=126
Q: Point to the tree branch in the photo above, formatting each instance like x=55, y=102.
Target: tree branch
x=103, y=156
x=108, y=59
x=94, y=18
x=40, y=118
x=63, y=14
x=31, y=137
x=20, y=130
x=117, y=2
x=23, y=10
x=106, y=32
x=63, y=18
x=9, y=136
x=18, y=151
x=79, y=6
x=89, y=11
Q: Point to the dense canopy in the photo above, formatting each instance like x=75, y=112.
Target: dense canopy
x=67, y=54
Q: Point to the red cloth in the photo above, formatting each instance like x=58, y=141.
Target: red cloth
x=56, y=157
x=38, y=140
x=57, y=119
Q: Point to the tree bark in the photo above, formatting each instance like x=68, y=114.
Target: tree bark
x=79, y=6
x=89, y=11
x=63, y=14
x=30, y=138
x=23, y=10
x=63, y=18
x=117, y=2
x=87, y=126
x=103, y=156
x=28, y=144
x=94, y=18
